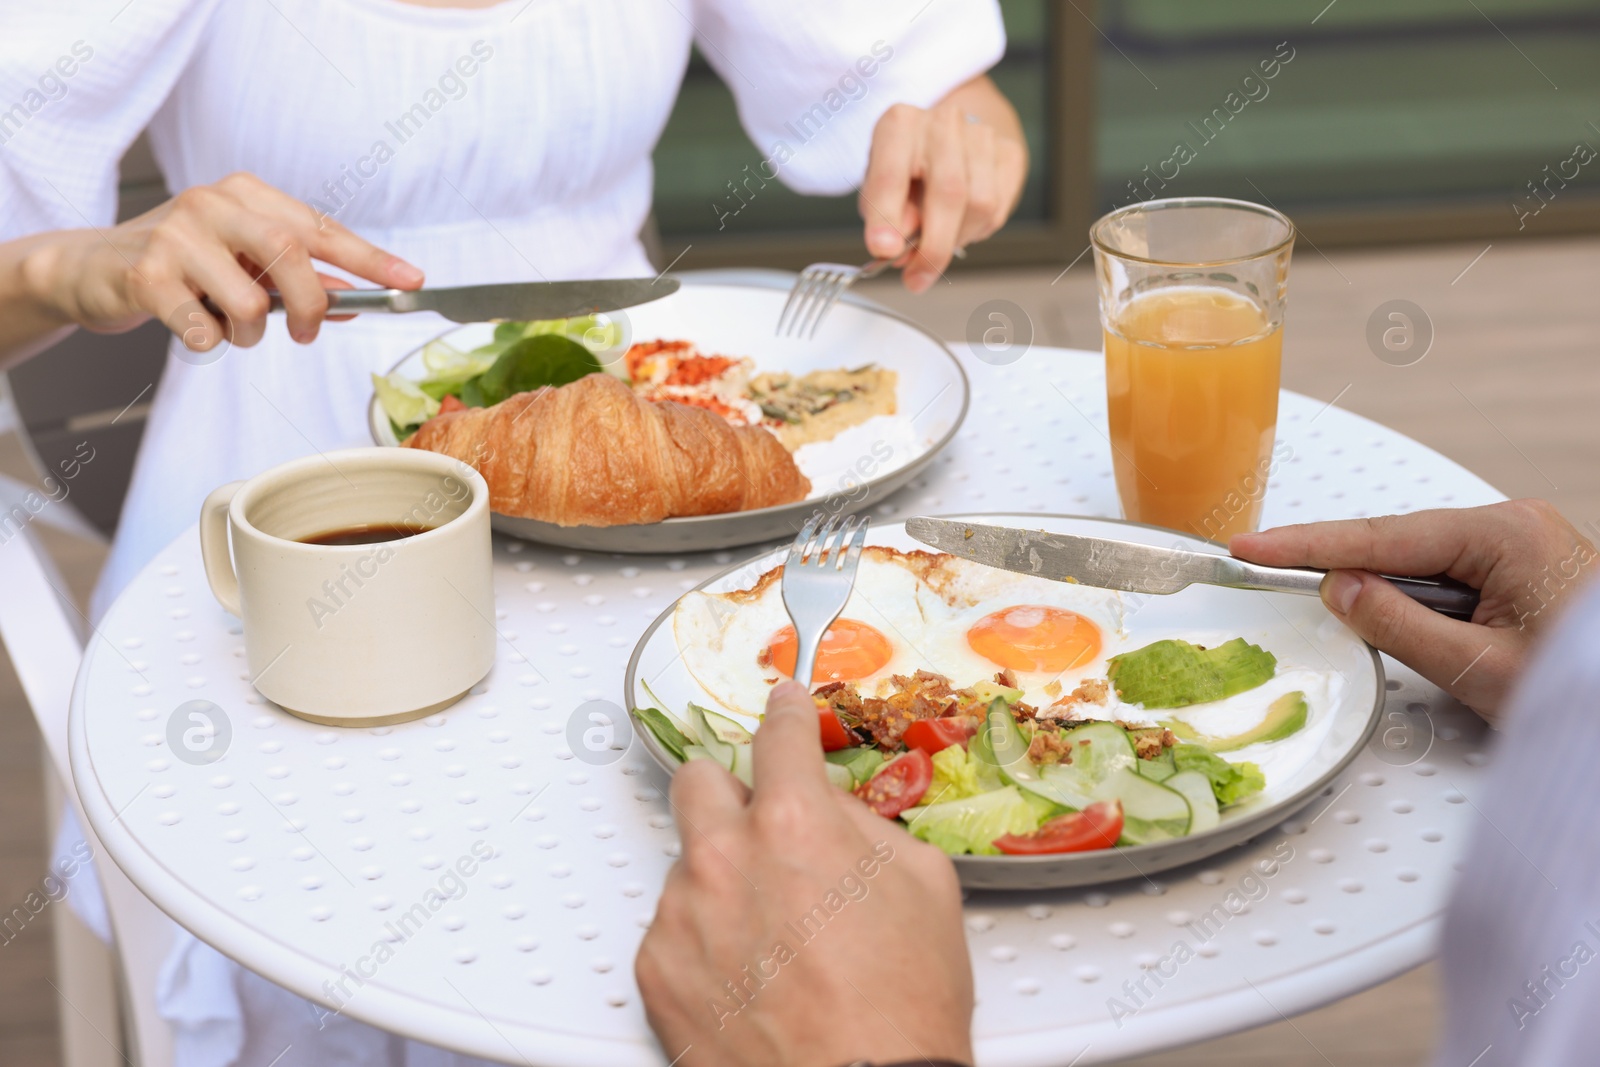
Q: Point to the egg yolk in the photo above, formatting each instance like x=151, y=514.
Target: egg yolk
x=1031, y=637
x=850, y=650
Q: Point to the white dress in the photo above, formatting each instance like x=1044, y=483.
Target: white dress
x=501, y=144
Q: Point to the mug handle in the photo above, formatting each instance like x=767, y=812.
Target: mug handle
x=214, y=547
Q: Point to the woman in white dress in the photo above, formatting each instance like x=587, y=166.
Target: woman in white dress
x=375, y=140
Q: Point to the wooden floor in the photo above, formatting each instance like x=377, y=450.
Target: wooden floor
x=1510, y=388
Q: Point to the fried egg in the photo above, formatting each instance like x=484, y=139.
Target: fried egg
x=907, y=611
x=1049, y=635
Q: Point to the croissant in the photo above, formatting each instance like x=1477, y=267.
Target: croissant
x=591, y=453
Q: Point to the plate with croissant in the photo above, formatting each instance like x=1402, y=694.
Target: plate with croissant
x=681, y=425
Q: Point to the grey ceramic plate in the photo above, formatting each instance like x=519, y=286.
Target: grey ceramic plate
x=855, y=470
x=1297, y=629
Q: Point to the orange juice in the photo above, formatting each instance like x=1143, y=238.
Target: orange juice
x=1192, y=395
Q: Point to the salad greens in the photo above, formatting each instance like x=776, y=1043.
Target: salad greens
x=861, y=763
x=522, y=356
x=973, y=823
x=956, y=776
x=1231, y=782
x=988, y=775
x=976, y=793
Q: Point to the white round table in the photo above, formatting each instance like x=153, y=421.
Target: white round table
x=348, y=865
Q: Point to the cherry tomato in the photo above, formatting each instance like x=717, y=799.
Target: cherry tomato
x=935, y=735
x=451, y=402
x=1097, y=826
x=899, y=785
x=834, y=735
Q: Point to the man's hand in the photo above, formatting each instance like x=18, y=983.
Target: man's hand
x=228, y=241
x=1522, y=556
x=799, y=928
x=954, y=172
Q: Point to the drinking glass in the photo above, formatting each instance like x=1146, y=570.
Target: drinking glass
x=1192, y=296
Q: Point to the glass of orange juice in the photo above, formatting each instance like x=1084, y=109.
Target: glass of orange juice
x=1192, y=295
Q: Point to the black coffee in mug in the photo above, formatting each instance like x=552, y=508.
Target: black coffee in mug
x=366, y=534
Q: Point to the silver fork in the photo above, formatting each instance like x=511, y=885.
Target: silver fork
x=819, y=287
x=817, y=578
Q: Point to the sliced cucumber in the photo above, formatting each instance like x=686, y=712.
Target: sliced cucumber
x=840, y=777
x=664, y=730
x=661, y=706
x=1071, y=782
x=1196, y=789
x=979, y=749
x=1100, y=749
x=744, y=766
x=861, y=762
x=1150, y=811
x=1159, y=769
x=713, y=744
x=725, y=728
x=1007, y=746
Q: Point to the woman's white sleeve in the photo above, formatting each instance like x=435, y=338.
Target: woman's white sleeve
x=811, y=79
x=79, y=80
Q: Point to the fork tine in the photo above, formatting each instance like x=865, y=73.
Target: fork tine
x=797, y=549
x=830, y=552
x=826, y=294
x=857, y=545
x=794, y=293
x=843, y=282
x=824, y=537
x=805, y=292
x=797, y=325
x=808, y=303
x=837, y=556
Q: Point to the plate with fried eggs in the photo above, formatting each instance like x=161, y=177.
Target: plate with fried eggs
x=724, y=644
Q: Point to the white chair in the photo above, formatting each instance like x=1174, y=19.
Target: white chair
x=108, y=995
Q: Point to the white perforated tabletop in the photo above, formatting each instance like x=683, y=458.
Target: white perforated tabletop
x=349, y=864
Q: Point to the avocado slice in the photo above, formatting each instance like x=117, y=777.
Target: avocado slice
x=1173, y=673
x=1285, y=716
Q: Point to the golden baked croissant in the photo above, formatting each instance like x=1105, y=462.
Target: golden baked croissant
x=591, y=453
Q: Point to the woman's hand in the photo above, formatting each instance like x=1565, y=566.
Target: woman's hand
x=799, y=928
x=1522, y=556
x=954, y=172
x=229, y=241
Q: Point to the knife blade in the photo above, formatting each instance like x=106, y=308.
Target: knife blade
x=1107, y=563
x=517, y=301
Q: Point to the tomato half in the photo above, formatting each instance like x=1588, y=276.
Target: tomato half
x=935, y=735
x=451, y=402
x=834, y=735
x=1097, y=826
x=899, y=785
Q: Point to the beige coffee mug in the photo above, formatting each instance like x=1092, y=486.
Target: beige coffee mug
x=357, y=634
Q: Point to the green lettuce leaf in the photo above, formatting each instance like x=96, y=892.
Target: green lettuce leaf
x=406, y=405
x=534, y=362
x=1231, y=782
x=955, y=777
x=973, y=823
x=444, y=361
x=600, y=334
x=522, y=356
x=672, y=739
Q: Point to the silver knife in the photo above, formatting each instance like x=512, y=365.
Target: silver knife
x=1110, y=564
x=517, y=301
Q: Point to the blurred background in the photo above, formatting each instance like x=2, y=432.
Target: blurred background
x=1438, y=151
x=1395, y=120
